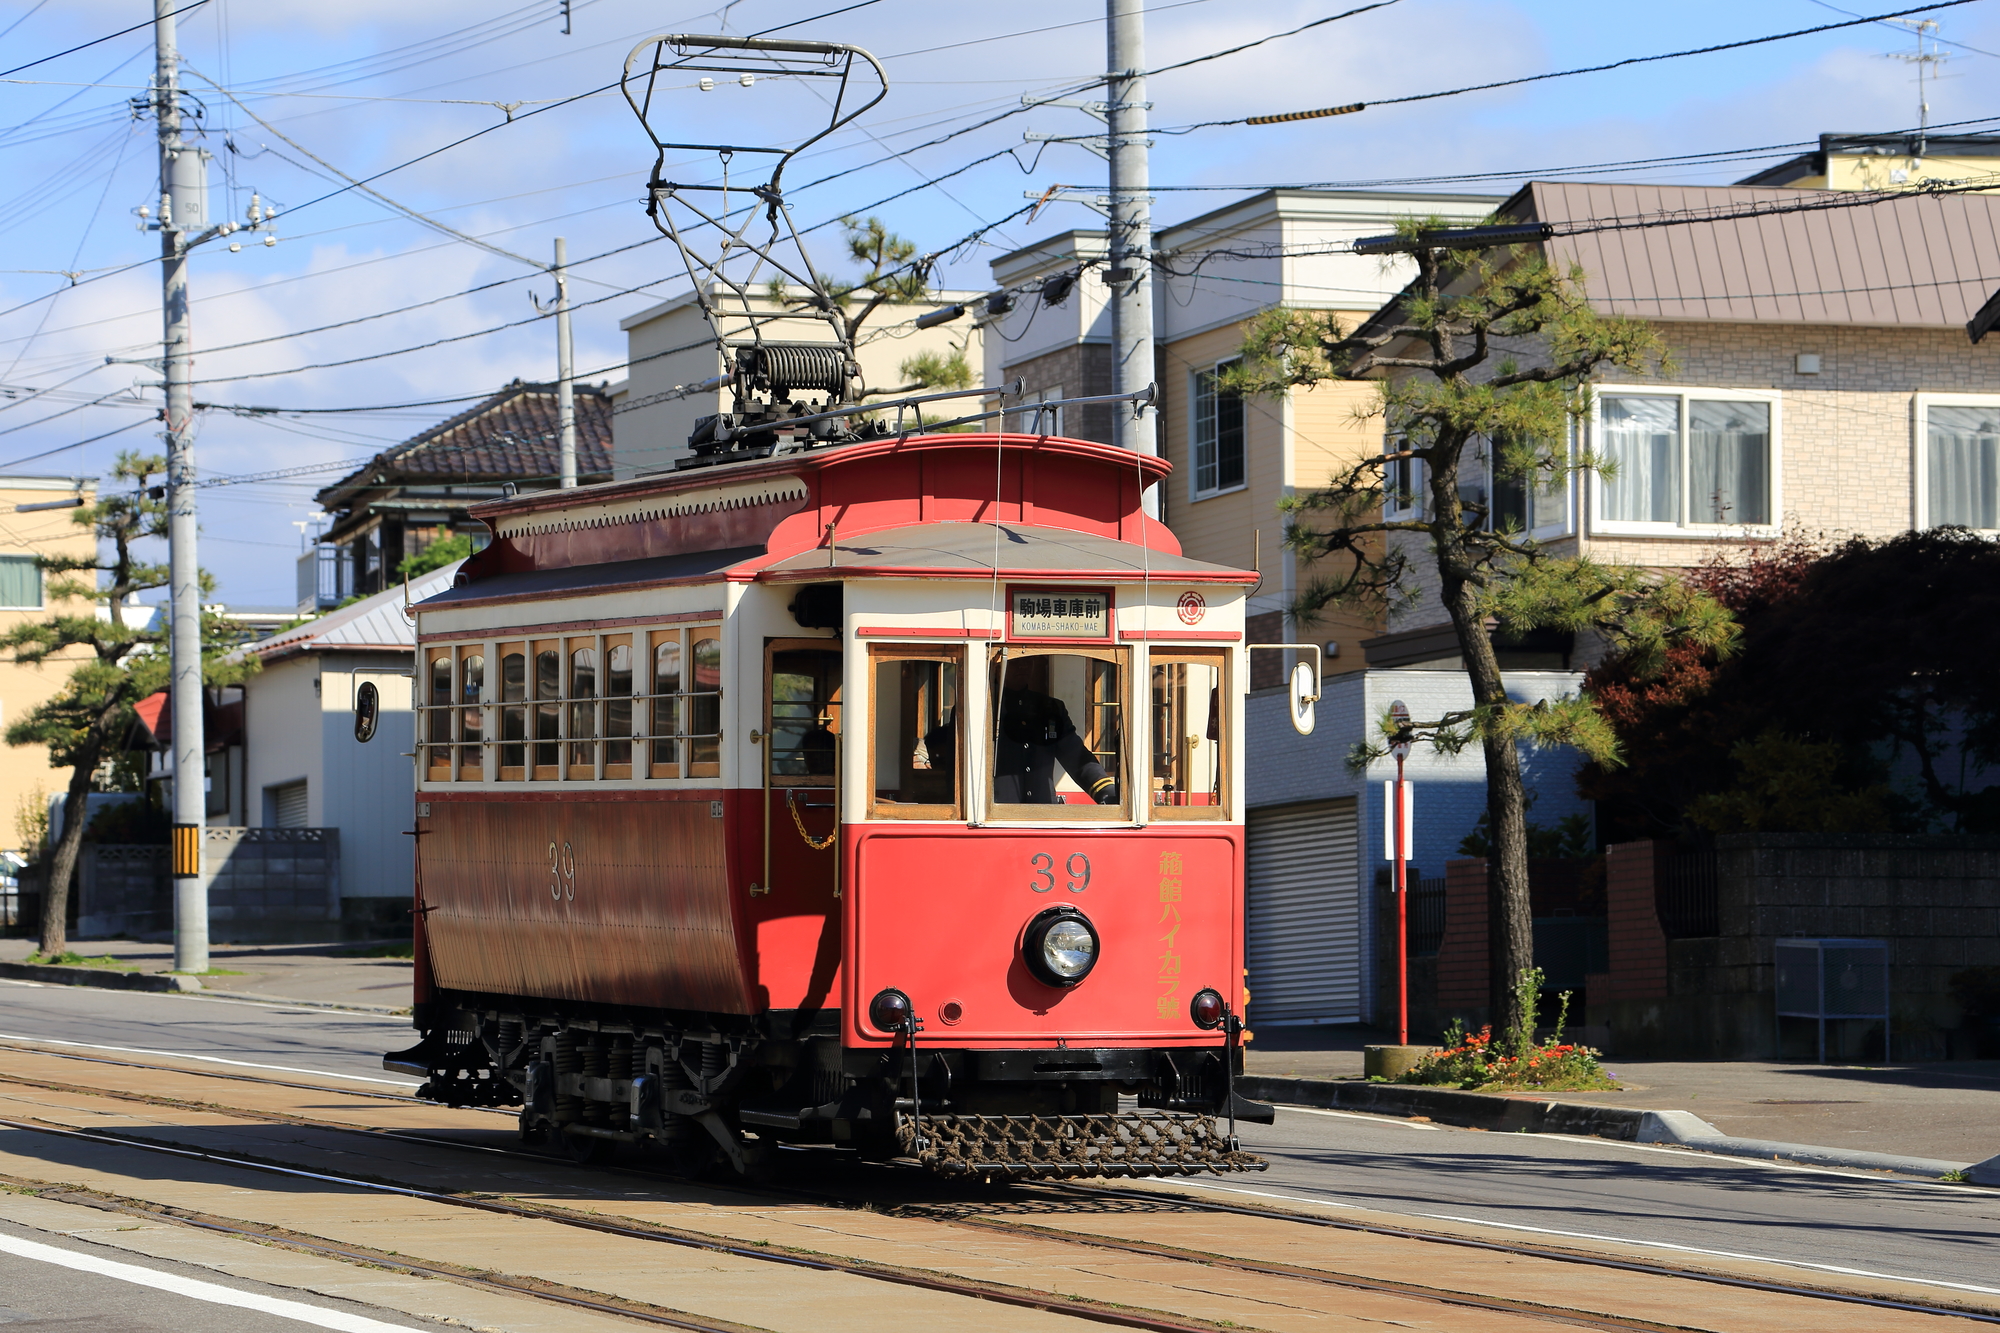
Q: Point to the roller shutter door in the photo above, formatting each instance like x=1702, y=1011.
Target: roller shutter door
x=289, y=807
x=1303, y=914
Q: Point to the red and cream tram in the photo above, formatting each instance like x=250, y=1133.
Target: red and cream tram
x=885, y=796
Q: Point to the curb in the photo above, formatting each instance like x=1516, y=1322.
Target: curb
x=55, y=975
x=1509, y=1113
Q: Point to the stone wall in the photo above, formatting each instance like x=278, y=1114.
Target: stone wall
x=122, y=889
x=269, y=885
x=1935, y=900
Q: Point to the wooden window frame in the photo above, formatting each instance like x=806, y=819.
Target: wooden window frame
x=772, y=647
x=613, y=772
x=475, y=769
x=1226, y=799
x=690, y=636
x=512, y=772
x=995, y=812
x=949, y=654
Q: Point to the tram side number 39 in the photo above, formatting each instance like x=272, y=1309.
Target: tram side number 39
x=1077, y=866
x=562, y=872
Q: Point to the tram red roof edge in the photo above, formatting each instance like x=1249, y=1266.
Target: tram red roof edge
x=967, y=550
x=667, y=483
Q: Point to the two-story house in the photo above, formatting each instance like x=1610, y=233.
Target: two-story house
x=400, y=501
x=1822, y=380
x=1235, y=460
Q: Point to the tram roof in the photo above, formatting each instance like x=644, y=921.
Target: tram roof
x=921, y=506
x=947, y=550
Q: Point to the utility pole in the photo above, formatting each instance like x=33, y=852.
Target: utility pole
x=1131, y=233
x=183, y=210
x=565, y=371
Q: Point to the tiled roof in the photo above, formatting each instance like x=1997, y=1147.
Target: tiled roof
x=511, y=436
x=1800, y=257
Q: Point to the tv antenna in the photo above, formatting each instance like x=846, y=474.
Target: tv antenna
x=1923, y=59
x=738, y=236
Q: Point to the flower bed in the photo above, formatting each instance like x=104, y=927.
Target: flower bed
x=1478, y=1060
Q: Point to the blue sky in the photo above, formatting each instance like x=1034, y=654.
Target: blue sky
x=372, y=83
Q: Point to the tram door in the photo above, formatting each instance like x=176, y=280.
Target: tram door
x=800, y=749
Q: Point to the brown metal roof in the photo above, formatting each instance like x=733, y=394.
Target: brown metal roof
x=1924, y=260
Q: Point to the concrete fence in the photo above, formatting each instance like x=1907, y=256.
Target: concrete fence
x=265, y=885
x=1934, y=900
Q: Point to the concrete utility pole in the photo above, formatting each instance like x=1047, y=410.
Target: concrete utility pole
x=565, y=370
x=1131, y=232
x=183, y=212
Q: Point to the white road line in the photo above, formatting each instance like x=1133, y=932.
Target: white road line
x=208, y=1059
x=1357, y=1115
x=212, y=1292
x=1592, y=1235
x=31, y=985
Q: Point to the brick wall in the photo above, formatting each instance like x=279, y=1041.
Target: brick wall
x=1076, y=371
x=1638, y=958
x=1463, y=971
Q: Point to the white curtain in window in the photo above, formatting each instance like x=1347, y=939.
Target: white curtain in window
x=1964, y=466
x=1642, y=442
x=1729, y=462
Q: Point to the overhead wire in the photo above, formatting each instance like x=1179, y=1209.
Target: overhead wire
x=98, y=41
x=1559, y=74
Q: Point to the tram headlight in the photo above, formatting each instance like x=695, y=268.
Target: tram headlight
x=1060, y=946
x=1208, y=1009
x=890, y=1011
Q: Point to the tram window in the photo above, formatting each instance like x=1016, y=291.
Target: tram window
x=1190, y=756
x=1059, y=734
x=548, y=712
x=804, y=719
x=915, y=716
x=513, y=720
x=437, y=717
x=666, y=692
x=472, y=717
x=582, y=761
x=705, y=707
x=617, y=707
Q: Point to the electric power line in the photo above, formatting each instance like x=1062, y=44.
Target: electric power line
x=96, y=41
x=1558, y=74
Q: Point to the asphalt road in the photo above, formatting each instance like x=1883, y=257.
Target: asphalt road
x=1541, y=1184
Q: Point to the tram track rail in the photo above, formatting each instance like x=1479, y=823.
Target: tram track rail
x=962, y=1215
x=1047, y=1302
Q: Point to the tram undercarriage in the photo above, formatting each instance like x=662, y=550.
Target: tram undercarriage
x=709, y=1092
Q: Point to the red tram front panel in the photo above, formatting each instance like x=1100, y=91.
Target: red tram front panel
x=939, y=914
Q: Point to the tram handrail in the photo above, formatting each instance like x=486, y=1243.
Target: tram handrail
x=1143, y=398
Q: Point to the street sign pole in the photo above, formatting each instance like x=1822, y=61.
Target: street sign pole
x=1399, y=840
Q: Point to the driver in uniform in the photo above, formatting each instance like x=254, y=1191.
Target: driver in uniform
x=1035, y=735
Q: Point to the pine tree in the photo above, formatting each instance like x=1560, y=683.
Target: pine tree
x=121, y=662
x=1456, y=406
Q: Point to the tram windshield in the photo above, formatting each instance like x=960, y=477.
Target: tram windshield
x=1189, y=753
x=915, y=740
x=1058, y=733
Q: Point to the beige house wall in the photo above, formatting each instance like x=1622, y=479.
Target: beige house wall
x=1847, y=438
x=1291, y=445
x=25, y=771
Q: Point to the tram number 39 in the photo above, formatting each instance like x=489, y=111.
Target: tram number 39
x=562, y=872
x=1077, y=865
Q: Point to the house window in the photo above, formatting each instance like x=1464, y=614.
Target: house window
x=1696, y=459
x=1402, y=484
x=1534, y=505
x=20, y=582
x=1218, y=435
x=1959, y=463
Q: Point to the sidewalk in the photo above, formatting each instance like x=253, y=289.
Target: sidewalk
x=317, y=973
x=1949, y=1111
